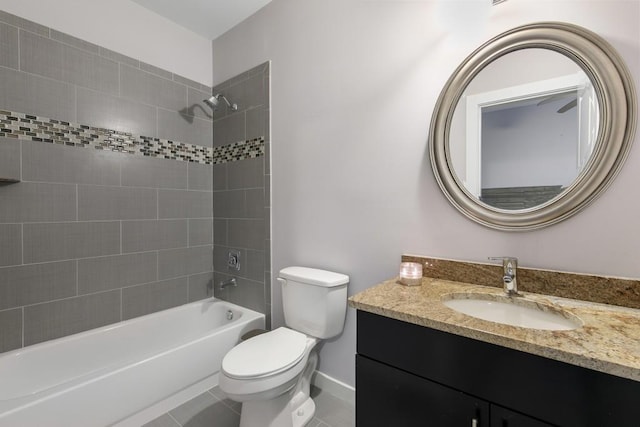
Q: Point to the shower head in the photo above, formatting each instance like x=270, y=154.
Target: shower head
x=215, y=100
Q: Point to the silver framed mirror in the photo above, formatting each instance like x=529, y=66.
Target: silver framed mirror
x=532, y=126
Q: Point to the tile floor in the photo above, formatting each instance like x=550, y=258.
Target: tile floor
x=212, y=409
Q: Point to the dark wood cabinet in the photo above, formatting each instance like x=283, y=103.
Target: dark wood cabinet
x=387, y=396
x=409, y=375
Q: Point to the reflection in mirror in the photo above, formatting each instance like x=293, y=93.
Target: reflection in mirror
x=517, y=141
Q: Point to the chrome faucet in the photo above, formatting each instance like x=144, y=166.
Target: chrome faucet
x=509, y=278
x=227, y=283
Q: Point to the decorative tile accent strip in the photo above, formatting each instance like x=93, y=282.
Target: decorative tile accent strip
x=249, y=149
x=33, y=128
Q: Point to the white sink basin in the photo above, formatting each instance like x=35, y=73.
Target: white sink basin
x=512, y=311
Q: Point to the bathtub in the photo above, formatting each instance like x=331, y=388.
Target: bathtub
x=123, y=374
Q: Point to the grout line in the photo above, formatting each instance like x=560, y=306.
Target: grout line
x=176, y=421
x=22, y=337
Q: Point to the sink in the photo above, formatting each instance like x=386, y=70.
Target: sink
x=514, y=311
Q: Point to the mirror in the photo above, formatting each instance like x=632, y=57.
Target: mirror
x=532, y=126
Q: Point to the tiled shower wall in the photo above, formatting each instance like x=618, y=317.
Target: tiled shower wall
x=241, y=199
x=90, y=237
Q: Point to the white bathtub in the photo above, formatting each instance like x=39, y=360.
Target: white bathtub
x=123, y=374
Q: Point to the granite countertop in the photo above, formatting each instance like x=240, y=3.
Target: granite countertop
x=608, y=340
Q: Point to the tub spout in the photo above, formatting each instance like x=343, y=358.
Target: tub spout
x=227, y=283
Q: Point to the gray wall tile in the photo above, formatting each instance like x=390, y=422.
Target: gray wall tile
x=200, y=286
x=10, y=244
x=37, y=202
x=255, y=123
x=173, y=126
x=200, y=232
x=30, y=284
x=40, y=55
x=155, y=70
x=55, y=319
x=248, y=94
x=9, y=158
x=23, y=23
x=9, y=46
x=248, y=293
x=152, y=297
x=254, y=265
x=254, y=203
x=107, y=111
x=105, y=203
x=229, y=204
x=156, y=173
x=74, y=41
x=66, y=78
x=191, y=83
x=185, y=204
x=118, y=57
x=196, y=105
x=147, y=88
x=184, y=261
x=248, y=173
x=112, y=272
x=61, y=241
x=220, y=177
x=246, y=233
x=57, y=163
x=50, y=58
x=36, y=95
x=10, y=329
x=229, y=129
x=200, y=177
x=148, y=235
x=220, y=231
x=89, y=70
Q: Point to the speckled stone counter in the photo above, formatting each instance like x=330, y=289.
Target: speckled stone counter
x=608, y=340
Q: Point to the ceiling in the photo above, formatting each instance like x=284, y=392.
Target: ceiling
x=209, y=18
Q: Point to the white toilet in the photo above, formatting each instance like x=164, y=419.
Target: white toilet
x=271, y=373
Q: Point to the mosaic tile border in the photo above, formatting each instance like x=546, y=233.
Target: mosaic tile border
x=33, y=128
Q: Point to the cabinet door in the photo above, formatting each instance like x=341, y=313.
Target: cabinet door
x=503, y=417
x=390, y=397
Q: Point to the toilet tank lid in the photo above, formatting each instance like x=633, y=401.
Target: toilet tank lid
x=314, y=276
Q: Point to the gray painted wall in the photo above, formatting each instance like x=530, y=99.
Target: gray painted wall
x=353, y=86
x=91, y=237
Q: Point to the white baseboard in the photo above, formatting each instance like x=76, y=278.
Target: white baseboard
x=333, y=386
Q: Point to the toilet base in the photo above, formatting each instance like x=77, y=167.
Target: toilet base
x=278, y=412
x=295, y=408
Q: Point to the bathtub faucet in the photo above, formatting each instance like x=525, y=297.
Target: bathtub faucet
x=228, y=282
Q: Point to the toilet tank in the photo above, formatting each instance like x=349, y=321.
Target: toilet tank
x=314, y=301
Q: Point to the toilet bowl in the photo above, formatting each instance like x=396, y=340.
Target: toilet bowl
x=271, y=373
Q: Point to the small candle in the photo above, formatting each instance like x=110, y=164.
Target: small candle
x=411, y=273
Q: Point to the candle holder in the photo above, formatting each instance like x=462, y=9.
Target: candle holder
x=410, y=274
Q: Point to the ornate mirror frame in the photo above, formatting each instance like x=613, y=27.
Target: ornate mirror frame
x=616, y=95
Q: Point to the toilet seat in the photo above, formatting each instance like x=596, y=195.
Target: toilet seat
x=265, y=355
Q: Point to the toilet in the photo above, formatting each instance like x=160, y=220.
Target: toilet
x=271, y=373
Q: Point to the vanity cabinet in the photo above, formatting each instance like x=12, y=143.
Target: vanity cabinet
x=409, y=375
